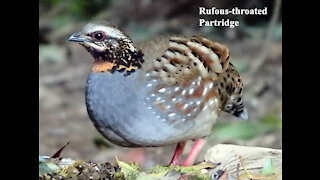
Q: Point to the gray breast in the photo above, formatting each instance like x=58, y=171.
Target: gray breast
x=118, y=107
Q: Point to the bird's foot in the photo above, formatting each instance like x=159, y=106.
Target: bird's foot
x=177, y=154
x=196, y=148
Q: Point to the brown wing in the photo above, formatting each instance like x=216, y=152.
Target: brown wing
x=183, y=78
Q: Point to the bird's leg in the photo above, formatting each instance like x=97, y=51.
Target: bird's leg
x=177, y=153
x=196, y=148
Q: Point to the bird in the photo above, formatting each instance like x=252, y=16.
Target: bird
x=165, y=91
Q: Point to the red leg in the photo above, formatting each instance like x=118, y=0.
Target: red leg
x=177, y=154
x=196, y=148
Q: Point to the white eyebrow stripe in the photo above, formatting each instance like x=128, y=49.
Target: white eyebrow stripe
x=110, y=31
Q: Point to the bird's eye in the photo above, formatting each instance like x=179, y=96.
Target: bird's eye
x=98, y=36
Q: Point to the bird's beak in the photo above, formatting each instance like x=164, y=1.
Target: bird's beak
x=244, y=114
x=77, y=37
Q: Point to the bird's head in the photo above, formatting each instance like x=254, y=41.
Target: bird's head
x=111, y=48
x=233, y=86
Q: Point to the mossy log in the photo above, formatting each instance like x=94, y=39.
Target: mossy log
x=235, y=162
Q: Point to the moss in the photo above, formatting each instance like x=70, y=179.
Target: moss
x=133, y=171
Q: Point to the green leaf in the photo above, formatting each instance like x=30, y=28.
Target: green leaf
x=159, y=170
x=129, y=170
x=48, y=168
x=268, y=167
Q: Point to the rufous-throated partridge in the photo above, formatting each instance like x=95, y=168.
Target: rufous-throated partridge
x=165, y=91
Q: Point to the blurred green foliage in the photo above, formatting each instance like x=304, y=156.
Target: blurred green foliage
x=271, y=121
x=246, y=130
x=100, y=142
x=86, y=8
x=237, y=130
x=79, y=9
